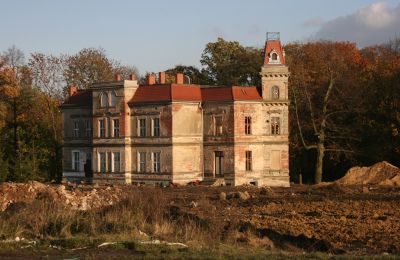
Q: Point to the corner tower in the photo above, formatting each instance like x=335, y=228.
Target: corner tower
x=274, y=77
x=274, y=72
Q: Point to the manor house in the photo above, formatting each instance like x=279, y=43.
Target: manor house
x=123, y=132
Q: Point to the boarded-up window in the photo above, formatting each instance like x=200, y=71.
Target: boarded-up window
x=249, y=161
x=217, y=125
x=275, y=160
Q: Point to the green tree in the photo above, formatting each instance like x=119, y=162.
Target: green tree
x=229, y=63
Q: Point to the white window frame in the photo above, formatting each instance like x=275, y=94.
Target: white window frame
x=76, y=128
x=113, y=99
x=76, y=164
x=100, y=162
x=139, y=127
x=104, y=103
x=139, y=162
x=116, y=129
x=156, y=162
x=271, y=61
x=102, y=128
x=88, y=128
x=114, y=162
x=153, y=127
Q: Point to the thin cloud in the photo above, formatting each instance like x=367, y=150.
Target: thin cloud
x=373, y=24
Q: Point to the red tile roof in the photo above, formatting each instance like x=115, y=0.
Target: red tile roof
x=175, y=92
x=273, y=45
x=81, y=98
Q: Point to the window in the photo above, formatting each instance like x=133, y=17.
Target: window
x=104, y=99
x=275, y=125
x=274, y=56
x=156, y=127
x=116, y=127
x=76, y=129
x=102, y=162
x=113, y=99
x=117, y=162
x=88, y=128
x=217, y=125
x=75, y=161
x=142, y=161
x=275, y=92
x=249, y=158
x=102, y=128
x=142, y=127
x=156, y=161
x=247, y=125
x=109, y=165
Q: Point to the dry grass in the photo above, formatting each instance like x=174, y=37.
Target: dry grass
x=140, y=210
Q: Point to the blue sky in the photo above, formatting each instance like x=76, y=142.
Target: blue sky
x=156, y=35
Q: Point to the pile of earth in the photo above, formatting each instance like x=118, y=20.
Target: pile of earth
x=80, y=198
x=382, y=173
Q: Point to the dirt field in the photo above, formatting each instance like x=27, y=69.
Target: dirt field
x=329, y=218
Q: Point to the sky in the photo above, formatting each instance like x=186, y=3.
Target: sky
x=156, y=35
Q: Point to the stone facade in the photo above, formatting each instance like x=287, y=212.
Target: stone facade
x=121, y=132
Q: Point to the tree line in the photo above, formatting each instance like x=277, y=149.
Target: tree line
x=344, y=108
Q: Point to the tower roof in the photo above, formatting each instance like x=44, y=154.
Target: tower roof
x=273, y=51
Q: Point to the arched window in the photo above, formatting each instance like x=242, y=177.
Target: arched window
x=274, y=56
x=275, y=92
x=103, y=99
x=113, y=99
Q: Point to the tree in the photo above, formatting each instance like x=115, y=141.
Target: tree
x=125, y=71
x=87, y=67
x=47, y=74
x=196, y=76
x=229, y=63
x=324, y=84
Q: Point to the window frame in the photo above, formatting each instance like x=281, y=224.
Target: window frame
x=155, y=128
x=88, y=128
x=116, y=127
x=218, y=129
x=275, y=125
x=249, y=161
x=102, y=128
x=142, y=129
x=75, y=161
x=75, y=132
x=141, y=162
x=156, y=162
x=104, y=103
x=275, y=92
x=102, y=162
x=113, y=98
x=247, y=125
x=116, y=164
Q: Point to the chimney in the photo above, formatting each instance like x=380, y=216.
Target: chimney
x=179, y=78
x=161, y=77
x=151, y=79
x=117, y=77
x=132, y=77
x=72, y=90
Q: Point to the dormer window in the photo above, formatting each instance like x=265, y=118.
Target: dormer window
x=274, y=57
x=103, y=99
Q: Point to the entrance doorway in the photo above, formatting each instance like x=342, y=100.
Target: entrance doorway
x=219, y=171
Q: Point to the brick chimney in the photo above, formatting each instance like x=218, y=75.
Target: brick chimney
x=117, y=77
x=161, y=77
x=179, y=78
x=132, y=77
x=72, y=90
x=151, y=79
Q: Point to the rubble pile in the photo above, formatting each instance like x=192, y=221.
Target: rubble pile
x=382, y=173
x=74, y=196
